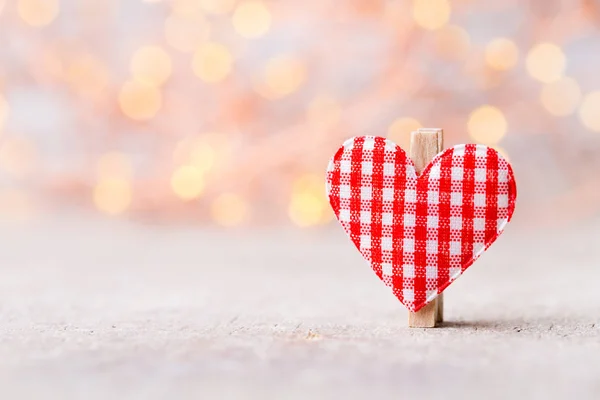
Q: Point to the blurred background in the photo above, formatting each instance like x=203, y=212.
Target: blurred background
x=163, y=221
x=225, y=112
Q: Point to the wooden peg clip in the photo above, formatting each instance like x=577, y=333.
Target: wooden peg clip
x=425, y=144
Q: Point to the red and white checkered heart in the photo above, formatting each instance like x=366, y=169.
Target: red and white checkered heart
x=420, y=233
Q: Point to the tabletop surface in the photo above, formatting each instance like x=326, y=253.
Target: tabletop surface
x=101, y=309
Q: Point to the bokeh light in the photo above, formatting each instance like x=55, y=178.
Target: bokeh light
x=546, y=62
x=487, y=125
x=283, y=75
x=188, y=182
x=561, y=97
x=431, y=14
x=113, y=191
x=229, y=209
x=202, y=156
x=212, y=62
x=113, y=195
x=201, y=152
x=251, y=19
x=589, y=111
x=139, y=101
x=38, y=13
x=501, y=54
x=308, y=204
x=151, y=65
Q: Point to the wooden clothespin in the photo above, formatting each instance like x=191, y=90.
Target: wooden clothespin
x=425, y=144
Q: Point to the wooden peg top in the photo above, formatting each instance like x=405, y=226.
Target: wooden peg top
x=425, y=143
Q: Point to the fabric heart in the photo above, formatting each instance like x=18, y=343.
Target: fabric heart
x=420, y=233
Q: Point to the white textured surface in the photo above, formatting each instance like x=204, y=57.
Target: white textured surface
x=98, y=310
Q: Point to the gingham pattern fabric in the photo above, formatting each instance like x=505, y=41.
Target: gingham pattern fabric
x=420, y=233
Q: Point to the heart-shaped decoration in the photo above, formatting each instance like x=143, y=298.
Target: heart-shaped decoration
x=420, y=233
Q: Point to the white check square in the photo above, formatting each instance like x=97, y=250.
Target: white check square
x=456, y=173
x=433, y=197
x=431, y=247
x=478, y=248
x=480, y=151
x=455, y=248
x=344, y=215
x=454, y=272
x=366, y=193
x=456, y=223
x=456, y=198
x=365, y=217
x=386, y=269
x=409, y=220
x=410, y=196
x=502, y=201
x=502, y=175
x=345, y=166
x=386, y=243
x=369, y=144
x=434, y=172
x=388, y=194
x=387, y=218
x=408, y=271
x=389, y=145
x=365, y=241
x=479, y=200
x=432, y=221
x=479, y=224
x=389, y=169
x=345, y=192
x=408, y=245
x=367, y=168
x=480, y=174
x=500, y=223
x=431, y=272
x=458, y=152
